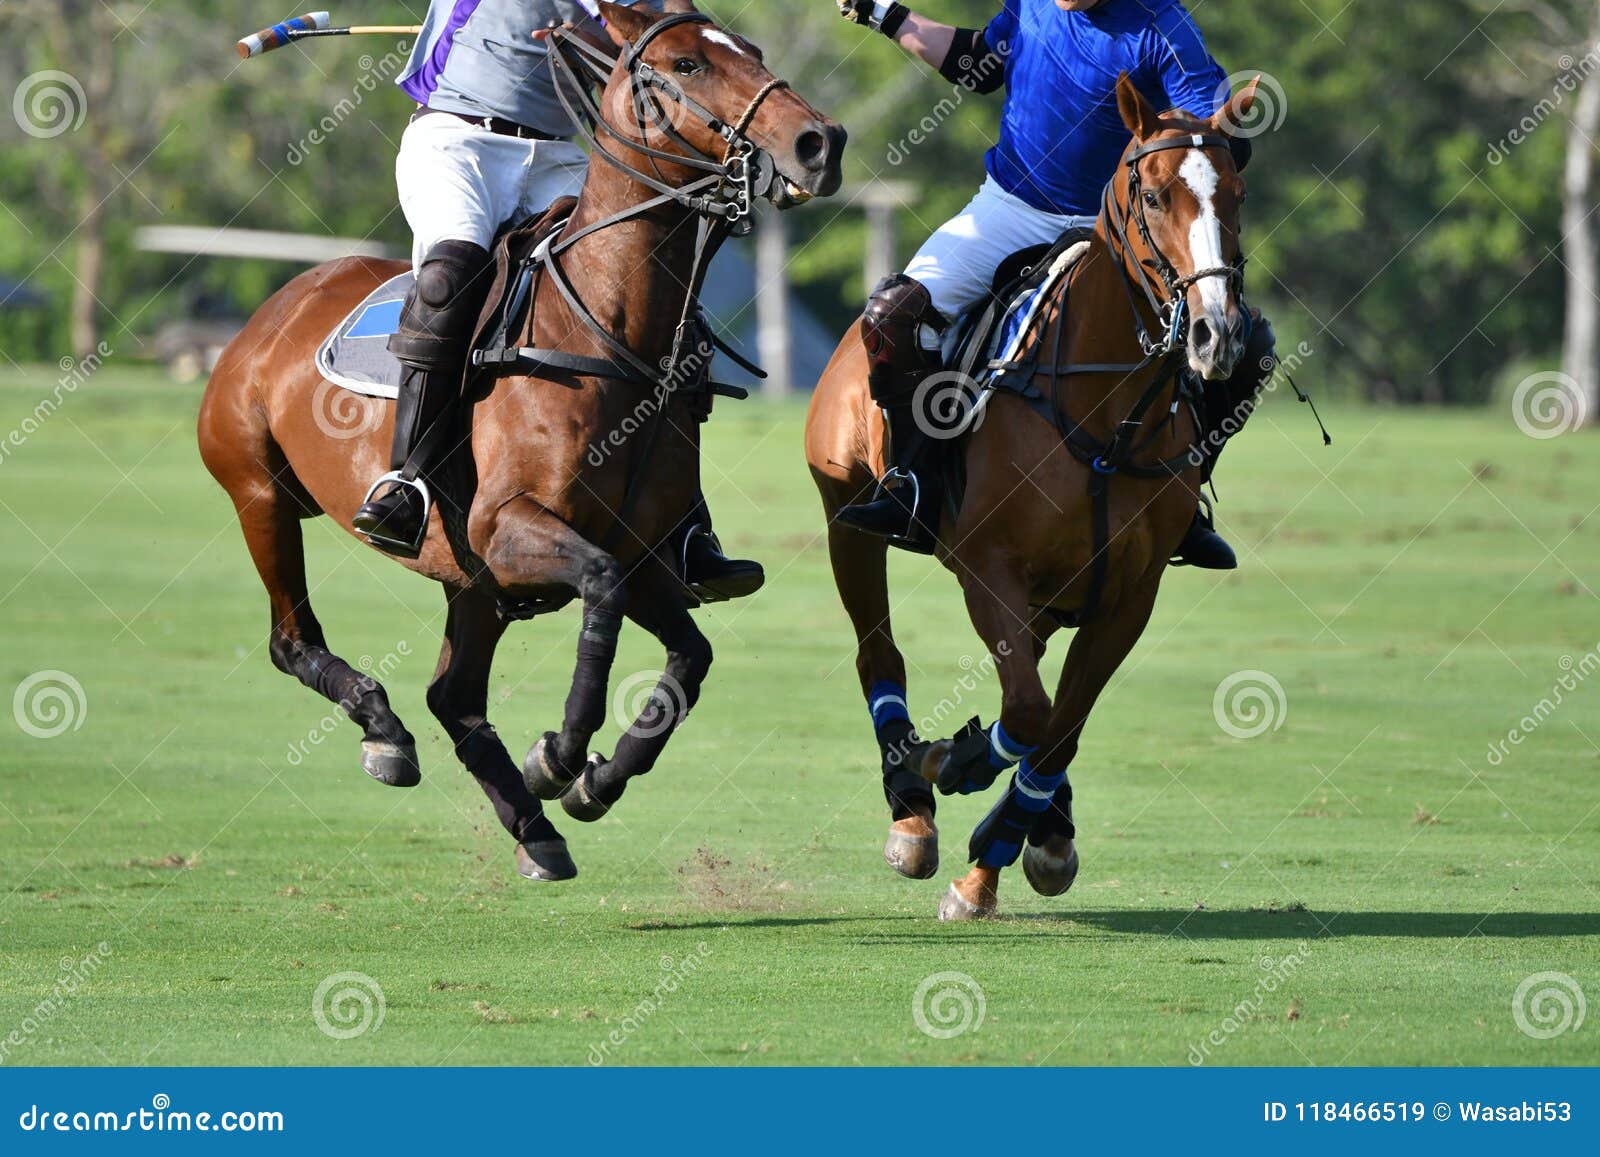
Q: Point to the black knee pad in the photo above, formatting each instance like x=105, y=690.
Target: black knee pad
x=901, y=331
x=438, y=318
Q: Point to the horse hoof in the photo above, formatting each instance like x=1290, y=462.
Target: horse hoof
x=914, y=853
x=546, y=861
x=1049, y=868
x=954, y=906
x=394, y=764
x=537, y=773
x=580, y=802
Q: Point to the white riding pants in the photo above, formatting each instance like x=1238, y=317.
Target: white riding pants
x=460, y=182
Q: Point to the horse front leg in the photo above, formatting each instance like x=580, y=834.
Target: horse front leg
x=656, y=603
x=998, y=602
x=531, y=553
x=1037, y=807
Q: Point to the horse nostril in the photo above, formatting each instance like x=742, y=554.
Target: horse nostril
x=811, y=150
x=1201, y=335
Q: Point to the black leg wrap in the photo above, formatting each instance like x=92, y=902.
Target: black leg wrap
x=518, y=810
x=967, y=770
x=904, y=789
x=597, y=648
x=1055, y=820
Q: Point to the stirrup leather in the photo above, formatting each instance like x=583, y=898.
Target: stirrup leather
x=383, y=541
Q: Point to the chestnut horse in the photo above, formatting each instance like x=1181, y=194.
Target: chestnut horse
x=541, y=518
x=1078, y=487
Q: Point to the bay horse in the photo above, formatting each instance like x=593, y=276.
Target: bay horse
x=690, y=129
x=1079, y=484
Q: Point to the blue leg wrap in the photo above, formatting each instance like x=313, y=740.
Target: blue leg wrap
x=997, y=842
x=1005, y=752
x=887, y=702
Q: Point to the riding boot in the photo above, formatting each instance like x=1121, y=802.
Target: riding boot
x=1228, y=404
x=435, y=328
x=900, y=330
x=710, y=575
x=907, y=506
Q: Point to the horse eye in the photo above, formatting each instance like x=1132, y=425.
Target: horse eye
x=685, y=66
x=1151, y=201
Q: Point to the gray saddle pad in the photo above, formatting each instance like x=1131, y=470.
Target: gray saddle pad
x=356, y=355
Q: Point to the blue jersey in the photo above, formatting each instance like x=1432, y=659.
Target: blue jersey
x=1060, y=133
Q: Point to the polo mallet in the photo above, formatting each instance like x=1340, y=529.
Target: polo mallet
x=315, y=24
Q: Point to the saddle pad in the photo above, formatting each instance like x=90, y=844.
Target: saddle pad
x=356, y=355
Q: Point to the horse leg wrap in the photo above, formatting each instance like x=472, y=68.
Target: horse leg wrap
x=1055, y=820
x=997, y=841
x=597, y=648
x=903, y=788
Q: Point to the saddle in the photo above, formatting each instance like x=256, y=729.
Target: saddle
x=985, y=344
x=356, y=354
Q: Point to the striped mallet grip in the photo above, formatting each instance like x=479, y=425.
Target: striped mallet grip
x=278, y=35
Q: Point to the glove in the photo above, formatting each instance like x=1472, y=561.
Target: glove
x=884, y=15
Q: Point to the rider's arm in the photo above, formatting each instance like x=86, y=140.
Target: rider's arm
x=965, y=56
x=1190, y=78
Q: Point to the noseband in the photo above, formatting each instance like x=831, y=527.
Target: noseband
x=1171, y=306
x=732, y=182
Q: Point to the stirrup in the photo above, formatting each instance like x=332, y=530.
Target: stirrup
x=395, y=545
x=696, y=531
x=910, y=540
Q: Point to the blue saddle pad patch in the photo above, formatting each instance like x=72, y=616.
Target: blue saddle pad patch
x=380, y=320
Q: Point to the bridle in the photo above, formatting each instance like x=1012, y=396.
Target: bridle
x=722, y=201
x=1171, y=306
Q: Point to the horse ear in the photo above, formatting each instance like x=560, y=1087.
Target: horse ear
x=1237, y=110
x=625, y=24
x=1138, y=114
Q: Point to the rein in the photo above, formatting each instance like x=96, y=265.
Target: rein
x=1116, y=456
x=722, y=200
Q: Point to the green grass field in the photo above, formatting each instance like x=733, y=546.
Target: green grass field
x=1360, y=885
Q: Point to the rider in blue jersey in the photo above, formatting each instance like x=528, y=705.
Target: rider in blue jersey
x=1061, y=138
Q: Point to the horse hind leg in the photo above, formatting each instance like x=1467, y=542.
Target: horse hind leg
x=459, y=699
x=270, y=514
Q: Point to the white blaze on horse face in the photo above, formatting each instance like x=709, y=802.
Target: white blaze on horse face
x=1205, y=235
x=717, y=36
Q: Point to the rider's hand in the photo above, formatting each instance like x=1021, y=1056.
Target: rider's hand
x=885, y=17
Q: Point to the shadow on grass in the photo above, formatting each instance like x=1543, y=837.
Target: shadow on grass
x=1204, y=924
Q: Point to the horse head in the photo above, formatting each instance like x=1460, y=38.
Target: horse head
x=1182, y=195
x=686, y=87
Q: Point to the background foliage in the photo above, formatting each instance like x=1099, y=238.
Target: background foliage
x=1379, y=232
